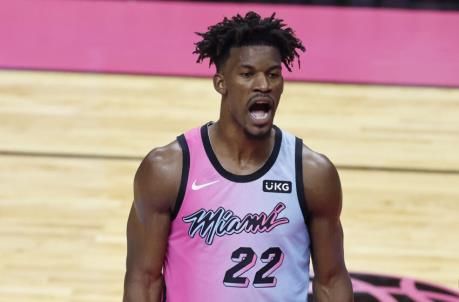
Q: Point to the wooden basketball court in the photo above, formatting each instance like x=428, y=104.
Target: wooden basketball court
x=70, y=144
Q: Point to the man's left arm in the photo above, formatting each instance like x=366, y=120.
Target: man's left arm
x=323, y=197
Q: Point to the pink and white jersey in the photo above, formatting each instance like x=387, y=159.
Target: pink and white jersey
x=238, y=237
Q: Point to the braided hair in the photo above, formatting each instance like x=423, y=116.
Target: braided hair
x=246, y=31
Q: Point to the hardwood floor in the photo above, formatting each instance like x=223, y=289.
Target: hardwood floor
x=70, y=145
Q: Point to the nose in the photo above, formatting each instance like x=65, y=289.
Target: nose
x=262, y=83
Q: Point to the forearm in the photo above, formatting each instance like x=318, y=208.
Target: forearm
x=336, y=289
x=142, y=288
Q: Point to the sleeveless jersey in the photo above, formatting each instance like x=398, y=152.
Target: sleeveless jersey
x=238, y=237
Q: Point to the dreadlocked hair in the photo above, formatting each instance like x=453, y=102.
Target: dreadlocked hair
x=246, y=31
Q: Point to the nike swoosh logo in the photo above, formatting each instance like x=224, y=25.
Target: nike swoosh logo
x=196, y=187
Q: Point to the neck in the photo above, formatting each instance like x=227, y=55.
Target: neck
x=238, y=151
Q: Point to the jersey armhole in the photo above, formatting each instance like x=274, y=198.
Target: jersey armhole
x=299, y=178
x=184, y=178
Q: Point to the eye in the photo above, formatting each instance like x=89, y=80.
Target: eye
x=246, y=74
x=273, y=75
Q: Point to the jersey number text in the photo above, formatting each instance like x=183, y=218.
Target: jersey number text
x=246, y=259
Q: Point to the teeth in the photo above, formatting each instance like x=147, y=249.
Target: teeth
x=259, y=115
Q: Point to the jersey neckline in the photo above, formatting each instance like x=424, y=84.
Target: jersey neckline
x=246, y=177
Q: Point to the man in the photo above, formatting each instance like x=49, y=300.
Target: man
x=231, y=211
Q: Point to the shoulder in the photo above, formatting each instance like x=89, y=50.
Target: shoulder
x=160, y=161
x=322, y=186
x=157, y=180
x=318, y=165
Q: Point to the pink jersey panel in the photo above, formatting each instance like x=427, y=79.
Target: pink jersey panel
x=238, y=238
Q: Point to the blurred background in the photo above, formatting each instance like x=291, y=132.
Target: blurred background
x=87, y=88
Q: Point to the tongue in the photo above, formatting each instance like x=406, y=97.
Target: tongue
x=259, y=114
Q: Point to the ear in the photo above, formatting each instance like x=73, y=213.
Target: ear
x=219, y=83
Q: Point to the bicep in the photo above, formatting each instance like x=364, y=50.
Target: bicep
x=327, y=247
x=145, y=252
x=146, y=241
x=324, y=200
x=155, y=188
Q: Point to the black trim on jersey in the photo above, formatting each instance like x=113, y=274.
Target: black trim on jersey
x=241, y=178
x=184, y=179
x=164, y=293
x=299, y=178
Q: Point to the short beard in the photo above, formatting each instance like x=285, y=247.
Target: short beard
x=260, y=136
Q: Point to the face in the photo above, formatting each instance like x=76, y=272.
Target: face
x=251, y=84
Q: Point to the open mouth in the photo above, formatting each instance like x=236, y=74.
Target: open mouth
x=260, y=110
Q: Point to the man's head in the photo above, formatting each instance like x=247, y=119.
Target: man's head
x=248, y=53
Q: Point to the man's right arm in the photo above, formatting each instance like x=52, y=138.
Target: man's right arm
x=156, y=187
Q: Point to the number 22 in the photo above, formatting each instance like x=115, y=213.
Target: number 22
x=246, y=259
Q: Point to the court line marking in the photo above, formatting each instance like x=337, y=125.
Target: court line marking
x=69, y=155
x=94, y=156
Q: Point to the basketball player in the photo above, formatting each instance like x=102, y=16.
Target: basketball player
x=232, y=210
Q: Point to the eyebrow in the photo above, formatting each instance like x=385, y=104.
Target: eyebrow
x=277, y=66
